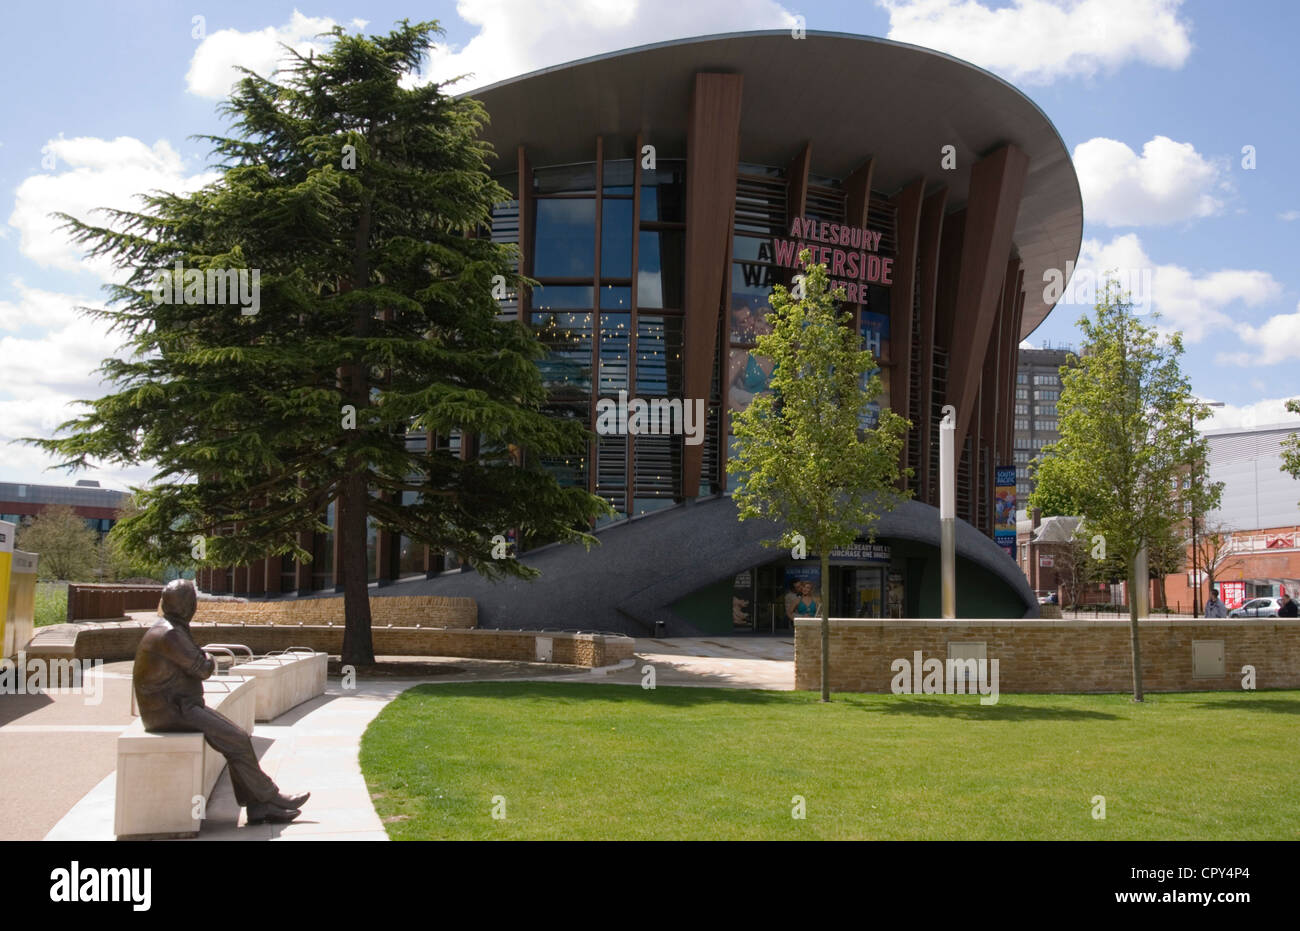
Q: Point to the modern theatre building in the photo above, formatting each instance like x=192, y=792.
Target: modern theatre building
x=658, y=194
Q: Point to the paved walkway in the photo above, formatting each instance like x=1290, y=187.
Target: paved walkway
x=58, y=752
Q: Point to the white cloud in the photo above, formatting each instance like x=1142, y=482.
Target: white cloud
x=1037, y=41
x=1289, y=215
x=91, y=173
x=1248, y=416
x=515, y=38
x=47, y=370
x=1197, y=303
x=1277, y=339
x=1168, y=183
x=213, y=69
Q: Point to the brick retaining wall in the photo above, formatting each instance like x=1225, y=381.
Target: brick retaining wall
x=111, y=642
x=404, y=610
x=1054, y=656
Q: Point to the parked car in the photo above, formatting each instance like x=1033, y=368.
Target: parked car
x=1044, y=598
x=1257, y=607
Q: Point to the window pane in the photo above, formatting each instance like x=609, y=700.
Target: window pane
x=616, y=239
x=566, y=368
x=566, y=179
x=618, y=176
x=663, y=193
x=660, y=262
x=562, y=297
x=615, y=297
x=566, y=239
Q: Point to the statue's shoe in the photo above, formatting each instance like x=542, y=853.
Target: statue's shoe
x=260, y=812
x=290, y=801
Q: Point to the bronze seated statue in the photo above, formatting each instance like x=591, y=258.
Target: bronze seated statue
x=168, y=681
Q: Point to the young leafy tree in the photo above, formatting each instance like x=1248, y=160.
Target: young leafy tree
x=354, y=192
x=802, y=456
x=66, y=546
x=1128, y=430
x=1291, y=445
x=1214, y=553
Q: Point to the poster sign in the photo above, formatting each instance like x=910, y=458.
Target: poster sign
x=803, y=592
x=742, y=600
x=1004, y=513
x=1046, y=562
x=1232, y=594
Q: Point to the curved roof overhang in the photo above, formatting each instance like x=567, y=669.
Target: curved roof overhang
x=855, y=97
x=643, y=566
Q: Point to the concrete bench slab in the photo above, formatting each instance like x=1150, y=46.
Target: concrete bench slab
x=160, y=775
x=285, y=680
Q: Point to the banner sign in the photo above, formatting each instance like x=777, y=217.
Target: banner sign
x=861, y=552
x=1004, y=514
x=848, y=252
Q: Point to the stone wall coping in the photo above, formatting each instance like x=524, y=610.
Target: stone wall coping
x=985, y=622
x=472, y=631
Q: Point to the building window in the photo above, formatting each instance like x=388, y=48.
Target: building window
x=1022, y=423
x=1022, y=394
x=1022, y=378
x=1045, y=424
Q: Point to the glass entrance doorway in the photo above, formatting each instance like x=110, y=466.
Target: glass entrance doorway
x=861, y=591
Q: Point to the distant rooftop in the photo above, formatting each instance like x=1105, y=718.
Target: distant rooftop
x=86, y=493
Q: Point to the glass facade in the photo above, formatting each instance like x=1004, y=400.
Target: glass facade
x=608, y=308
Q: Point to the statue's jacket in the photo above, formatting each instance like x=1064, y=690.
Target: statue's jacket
x=169, y=672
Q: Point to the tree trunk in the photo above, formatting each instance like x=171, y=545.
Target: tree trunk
x=358, y=647
x=1133, y=628
x=826, y=623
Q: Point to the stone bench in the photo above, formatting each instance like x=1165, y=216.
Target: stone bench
x=285, y=679
x=159, y=775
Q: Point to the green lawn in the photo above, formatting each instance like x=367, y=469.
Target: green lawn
x=607, y=761
x=51, y=604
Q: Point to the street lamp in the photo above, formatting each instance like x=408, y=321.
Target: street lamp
x=1196, y=572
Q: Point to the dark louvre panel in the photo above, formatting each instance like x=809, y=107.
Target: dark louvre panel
x=939, y=387
x=658, y=465
x=883, y=216
x=712, y=468
x=963, y=480
x=914, y=438
x=760, y=204
x=505, y=229
x=825, y=203
x=611, y=471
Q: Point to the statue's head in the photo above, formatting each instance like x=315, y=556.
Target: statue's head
x=179, y=600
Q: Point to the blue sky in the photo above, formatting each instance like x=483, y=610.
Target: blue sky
x=1155, y=98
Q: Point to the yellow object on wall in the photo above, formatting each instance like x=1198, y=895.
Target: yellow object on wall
x=17, y=593
x=7, y=531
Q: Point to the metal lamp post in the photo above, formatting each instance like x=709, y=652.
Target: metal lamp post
x=948, y=510
x=1196, y=571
